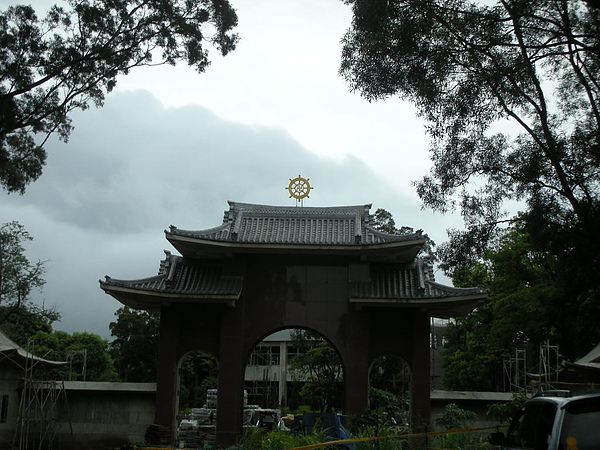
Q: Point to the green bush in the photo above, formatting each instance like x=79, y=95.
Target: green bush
x=261, y=439
x=455, y=418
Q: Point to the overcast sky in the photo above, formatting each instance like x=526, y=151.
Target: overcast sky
x=171, y=146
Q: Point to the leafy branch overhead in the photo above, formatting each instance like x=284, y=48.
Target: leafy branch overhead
x=468, y=66
x=72, y=57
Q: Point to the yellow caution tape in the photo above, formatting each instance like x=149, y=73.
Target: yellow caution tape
x=401, y=436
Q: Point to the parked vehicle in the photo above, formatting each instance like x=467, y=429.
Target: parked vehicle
x=554, y=420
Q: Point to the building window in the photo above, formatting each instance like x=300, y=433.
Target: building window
x=264, y=356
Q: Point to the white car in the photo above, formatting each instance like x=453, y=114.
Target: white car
x=554, y=420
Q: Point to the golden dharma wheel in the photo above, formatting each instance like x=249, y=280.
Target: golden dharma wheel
x=299, y=187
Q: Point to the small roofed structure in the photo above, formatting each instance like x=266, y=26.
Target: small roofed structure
x=590, y=361
x=21, y=357
x=267, y=268
x=18, y=393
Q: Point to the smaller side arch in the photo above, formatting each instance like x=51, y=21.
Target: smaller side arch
x=197, y=371
x=390, y=390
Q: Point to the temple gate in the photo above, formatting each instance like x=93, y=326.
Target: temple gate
x=267, y=268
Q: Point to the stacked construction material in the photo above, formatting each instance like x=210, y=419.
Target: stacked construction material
x=158, y=435
x=198, y=427
x=188, y=433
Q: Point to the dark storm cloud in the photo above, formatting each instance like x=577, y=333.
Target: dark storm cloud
x=133, y=167
x=135, y=163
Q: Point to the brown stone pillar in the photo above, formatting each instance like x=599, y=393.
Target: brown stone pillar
x=420, y=382
x=166, y=381
x=356, y=366
x=230, y=395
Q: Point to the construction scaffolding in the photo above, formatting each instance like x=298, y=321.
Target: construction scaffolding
x=515, y=372
x=549, y=366
x=37, y=421
x=518, y=377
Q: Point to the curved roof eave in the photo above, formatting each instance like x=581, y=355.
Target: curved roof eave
x=9, y=348
x=404, y=250
x=438, y=307
x=152, y=301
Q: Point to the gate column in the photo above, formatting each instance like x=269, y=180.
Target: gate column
x=166, y=382
x=230, y=393
x=420, y=377
x=356, y=361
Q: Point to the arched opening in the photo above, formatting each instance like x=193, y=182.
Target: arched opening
x=197, y=398
x=197, y=373
x=295, y=370
x=389, y=390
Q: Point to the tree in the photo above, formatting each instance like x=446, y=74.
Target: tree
x=86, y=353
x=72, y=58
x=384, y=221
x=525, y=308
x=467, y=66
x=18, y=276
x=21, y=323
x=134, y=348
x=318, y=365
x=198, y=372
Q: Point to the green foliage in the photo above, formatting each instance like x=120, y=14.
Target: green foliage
x=384, y=221
x=20, y=319
x=18, y=276
x=198, y=372
x=134, y=348
x=387, y=439
x=21, y=323
x=73, y=57
x=468, y=65
x=319, y=366
x=86, y=353
x=261, y=439
x=526, y=307
x=455, y=418
x=391, y=374
x=504, y=412
x=386, y=414
x=30, y=325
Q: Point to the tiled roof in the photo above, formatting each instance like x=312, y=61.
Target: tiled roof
x=263, y=224
x=412, y=281
x=401, y=285
x=179, y=276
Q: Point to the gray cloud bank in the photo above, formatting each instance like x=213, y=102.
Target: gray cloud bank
x=134, y=167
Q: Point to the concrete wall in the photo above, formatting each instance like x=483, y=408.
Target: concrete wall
x=100, y=415
x=10, y=381
x=477, y=402
x=75, y=415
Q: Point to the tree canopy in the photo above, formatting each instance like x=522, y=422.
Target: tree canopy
x=531, y=65
x=134, y=348
x=526, y=308
x=86, y=353
x=510, y=96
x=318, y=365
x=72, y=57
x=18, y=275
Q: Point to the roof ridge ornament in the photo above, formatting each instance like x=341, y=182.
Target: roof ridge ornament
x=299, y=188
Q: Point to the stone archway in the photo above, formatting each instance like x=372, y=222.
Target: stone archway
x=283, y=362
x=279, y=294
x=268, y=268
